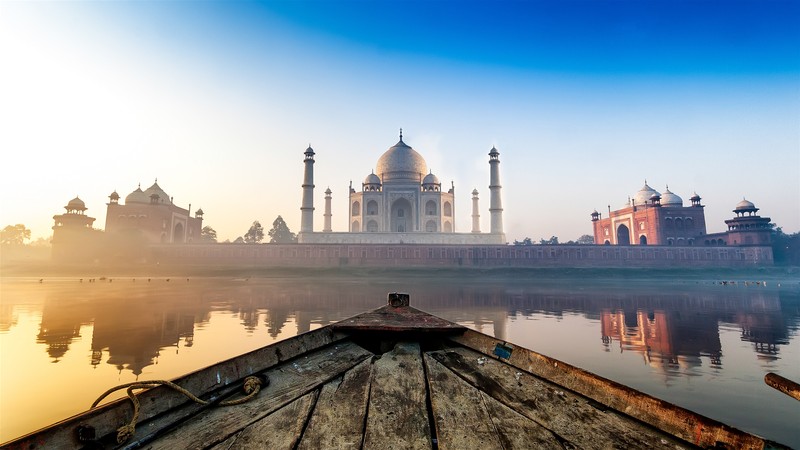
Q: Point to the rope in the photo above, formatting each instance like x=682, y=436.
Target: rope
x=252, y=385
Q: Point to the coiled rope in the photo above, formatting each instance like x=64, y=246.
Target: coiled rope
x=252, y=385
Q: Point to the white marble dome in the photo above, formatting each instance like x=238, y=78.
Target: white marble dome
x=745, y=205
x=670, y=199
x=401, y=163
x=137, y=196
x=643, y=196
x=372, y=179
x=430, y=179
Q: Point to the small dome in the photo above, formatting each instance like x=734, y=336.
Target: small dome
x=137, y=196
x=114, y=196
x=76, y=204
x=401, y=162
x=430, y=179
x=372, y=179
x=670, y=199
x=474, y=192
x=199, y=212
x=695, y=197
x=156, y=189
x=745, y=205
x=644, y=195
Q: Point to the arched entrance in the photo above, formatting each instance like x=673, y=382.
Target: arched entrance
x=177, y=234
x=623, y=235
x=642, y=240
x=401, y=220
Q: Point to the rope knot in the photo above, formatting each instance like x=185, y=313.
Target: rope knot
x=251, y=384
x=125, y=432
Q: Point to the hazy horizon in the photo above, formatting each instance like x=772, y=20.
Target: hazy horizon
x=218, y=100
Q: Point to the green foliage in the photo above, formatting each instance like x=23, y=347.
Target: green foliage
x=280, y=233
x=14, y=234
x=585, y=240
x=786, y=248
x=552, y=241
x=208, y=234
x=255, y=234
x=526, y=241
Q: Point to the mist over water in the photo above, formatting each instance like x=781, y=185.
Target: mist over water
x=701, y=345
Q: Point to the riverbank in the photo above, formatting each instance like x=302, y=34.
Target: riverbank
x=788, y=277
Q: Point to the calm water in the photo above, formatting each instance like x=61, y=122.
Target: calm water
x=703, y=346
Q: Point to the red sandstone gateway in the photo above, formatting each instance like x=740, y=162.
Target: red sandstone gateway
x=395, y=377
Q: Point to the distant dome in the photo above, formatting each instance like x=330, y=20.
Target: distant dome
x=76, y=204
x=430, y=179
x=745, y=205
x=137, y=196
x=372, y=179
x=114, y=196
x=156, y=189
x=644, y=194
x=474, y=192
x=401, y=163
x=670, y=199
x=695, y=197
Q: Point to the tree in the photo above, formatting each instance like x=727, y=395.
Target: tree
x=552, y=241
x=238, y=240
x=585, y=240
x=526, y=241
x=280, y=234
x=208, y=234
x=786, y=248
x=255, y=234
x=14, y=234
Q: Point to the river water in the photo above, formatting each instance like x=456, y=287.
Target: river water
x=700, y=344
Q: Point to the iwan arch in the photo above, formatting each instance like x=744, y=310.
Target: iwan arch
x=402, y=202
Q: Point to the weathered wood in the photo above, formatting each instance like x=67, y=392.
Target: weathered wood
x=466, y=418
x=568, y=416
x=288, y=381
x=338, y=418
x=279, y=430
x=663, y=415
x=154, y=402
x=517, y=431
x=397, y=416
x=397, y=319
x=782, y=384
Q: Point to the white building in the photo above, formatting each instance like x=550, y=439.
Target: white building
x=401, y=201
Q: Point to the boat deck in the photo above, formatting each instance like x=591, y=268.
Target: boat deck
x=395, y=378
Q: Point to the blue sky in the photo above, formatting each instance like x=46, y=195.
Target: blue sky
x=218, y=100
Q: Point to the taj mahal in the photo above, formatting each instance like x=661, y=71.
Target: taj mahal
x=401, y=202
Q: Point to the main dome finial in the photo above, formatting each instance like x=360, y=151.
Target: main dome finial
x=401, y=135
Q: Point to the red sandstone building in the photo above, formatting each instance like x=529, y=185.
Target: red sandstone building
x=652, y=218
x=153, y=215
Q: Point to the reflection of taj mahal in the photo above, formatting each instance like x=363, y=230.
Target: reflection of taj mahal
x=401, y=201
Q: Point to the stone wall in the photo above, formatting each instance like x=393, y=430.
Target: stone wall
x=402, y=238
x=418, y=255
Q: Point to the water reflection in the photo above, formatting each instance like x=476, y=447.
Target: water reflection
x=133, y=324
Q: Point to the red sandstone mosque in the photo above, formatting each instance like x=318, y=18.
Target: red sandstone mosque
x=653, y=218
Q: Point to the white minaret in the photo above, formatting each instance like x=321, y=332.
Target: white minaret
x=307, y=210
x=476, y=216
x=495, y=205
x=327, y=225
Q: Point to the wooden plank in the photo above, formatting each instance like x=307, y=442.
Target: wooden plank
x=467, y=418
x=288, y=381
x=672, y=419
x=568, y=416
x=517, y=431
x=398, y=416
x=338, y=418
x=155, y=402
x=404, y=318
x=278, y=431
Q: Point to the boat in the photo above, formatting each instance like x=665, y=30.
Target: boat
x=394, y=377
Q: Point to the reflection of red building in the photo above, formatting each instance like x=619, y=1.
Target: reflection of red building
x=152, y=214
x=652, y=218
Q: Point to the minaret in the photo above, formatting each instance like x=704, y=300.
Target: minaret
x=476, y=217
x=327, y=226
x=307, y=210
x=495, y=205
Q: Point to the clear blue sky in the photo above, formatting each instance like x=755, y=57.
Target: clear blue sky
x=218, y=100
